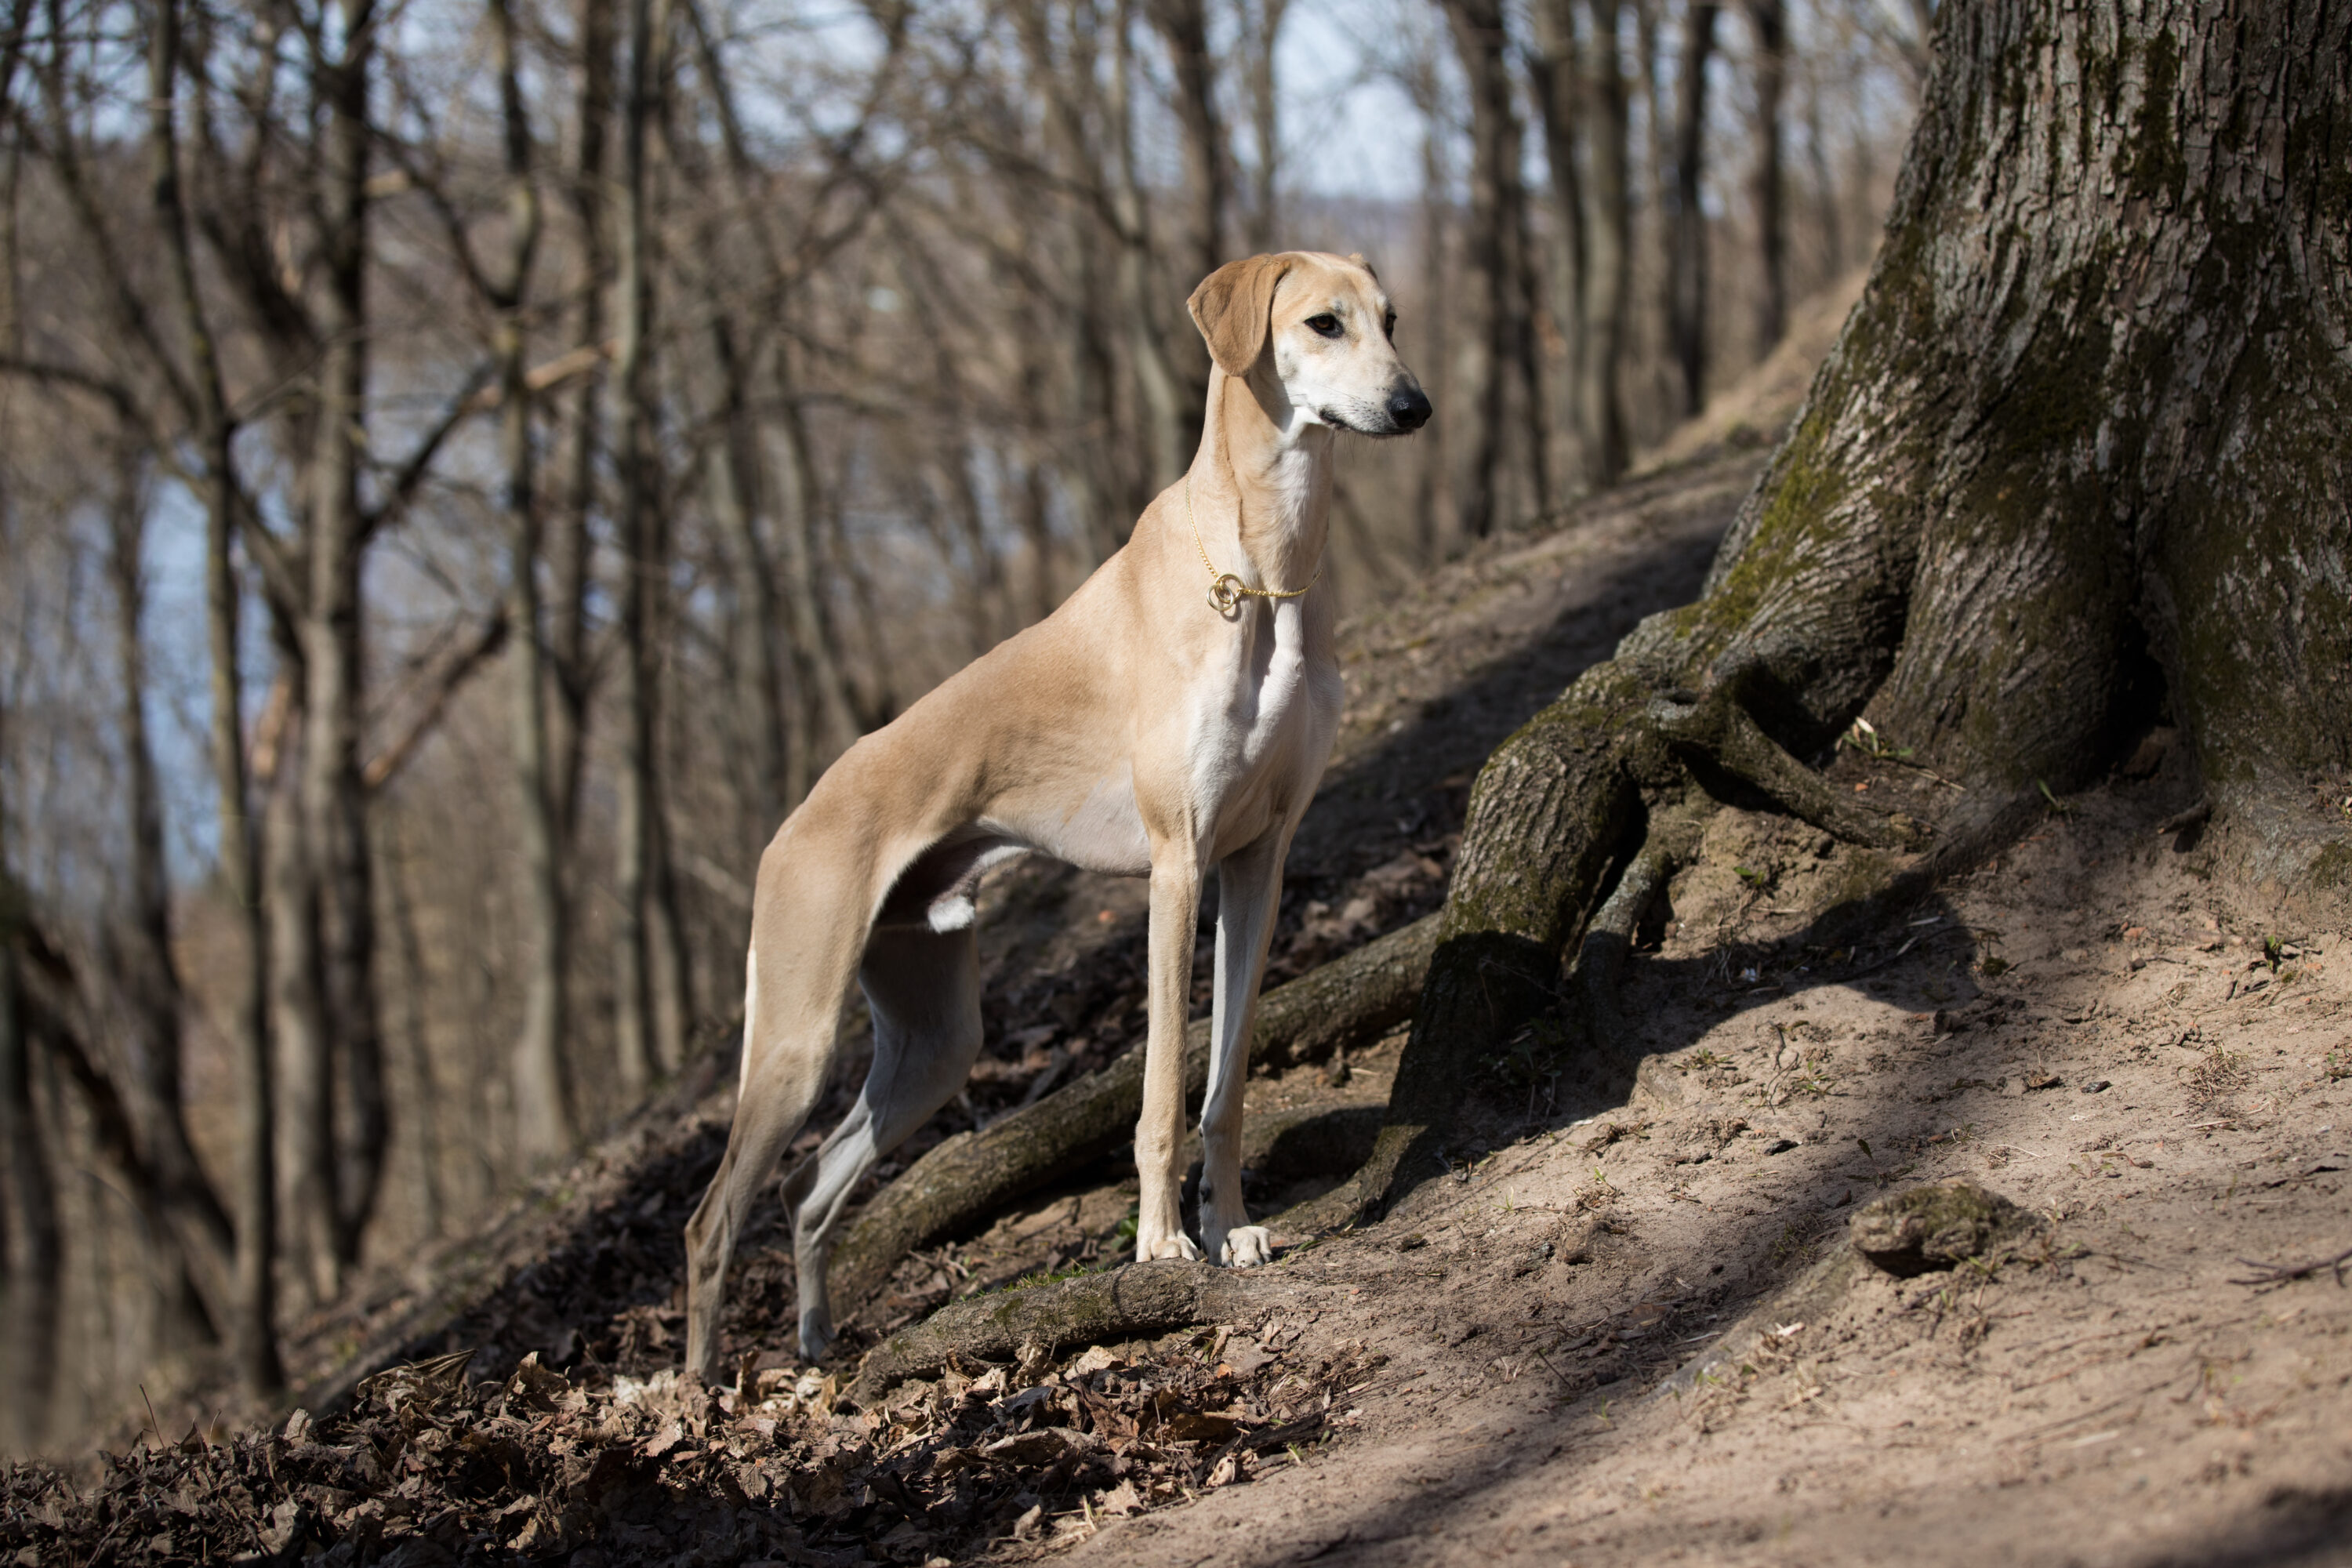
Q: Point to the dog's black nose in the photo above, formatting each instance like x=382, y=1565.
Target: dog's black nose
x=1409, y=406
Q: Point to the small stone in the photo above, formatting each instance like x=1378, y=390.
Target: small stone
x=1935, y=1226
x=1780, y=1145
x=2098, y=1085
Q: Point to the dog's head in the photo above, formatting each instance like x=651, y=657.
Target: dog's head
x=1322, y=324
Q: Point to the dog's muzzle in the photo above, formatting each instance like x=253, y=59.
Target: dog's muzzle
x=1408, y=408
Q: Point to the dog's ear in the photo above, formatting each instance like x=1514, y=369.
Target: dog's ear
x=1358, y=258
x=1234, y=308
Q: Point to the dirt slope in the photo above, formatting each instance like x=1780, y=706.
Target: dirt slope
x=1625, y=1331
x=2117, y=1395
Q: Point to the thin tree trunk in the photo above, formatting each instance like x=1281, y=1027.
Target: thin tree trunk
x=1608, y=232
x=1767, y=21
x=415, y=986
x=545, y=1124
x=188, y=1213
x=573, y=550
x=1184, y=24
x=1262, y=32
x=1496, y=248
x=763, y=697
x=1557, y=78
x=305, y=1057
x=31, y=1247
x=648, y=1000
x=1825, y=188
x=334, y=794
x=254, y=1326
x=1171, y=428
x=1431, y=491
x=1686, y=261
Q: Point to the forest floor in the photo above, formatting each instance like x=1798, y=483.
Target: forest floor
x=1624, y=1330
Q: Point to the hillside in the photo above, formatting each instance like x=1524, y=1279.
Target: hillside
x=1628, y=1329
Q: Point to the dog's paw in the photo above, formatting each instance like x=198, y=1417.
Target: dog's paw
x=1179, y=1246
x=1247, y=1247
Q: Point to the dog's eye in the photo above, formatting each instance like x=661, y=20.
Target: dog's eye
x=1388, y=327
x=1326, y=325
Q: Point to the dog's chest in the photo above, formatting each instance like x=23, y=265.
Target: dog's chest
x=1262, y=725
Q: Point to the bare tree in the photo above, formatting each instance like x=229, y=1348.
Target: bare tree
x=1768, y=26
x=545, y=1119
x=1607, y=238
x=647, y=977
x=1497, y=253
x=1687, y=286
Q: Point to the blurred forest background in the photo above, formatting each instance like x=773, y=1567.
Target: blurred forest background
x=467, y=468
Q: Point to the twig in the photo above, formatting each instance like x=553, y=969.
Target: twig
x=2273, y=1274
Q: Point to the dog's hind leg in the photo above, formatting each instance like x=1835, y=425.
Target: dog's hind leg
x=923, y=989
x=1249, y=890
x=792, y=1029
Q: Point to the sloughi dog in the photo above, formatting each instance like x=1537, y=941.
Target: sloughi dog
x=1174, y=714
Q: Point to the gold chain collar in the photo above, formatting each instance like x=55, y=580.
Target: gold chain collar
x=1225, y=589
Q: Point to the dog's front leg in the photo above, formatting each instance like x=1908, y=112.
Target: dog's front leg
x=1159, y=1133
x=1249, y=890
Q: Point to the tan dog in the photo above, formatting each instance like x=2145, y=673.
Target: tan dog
x=1174, y=714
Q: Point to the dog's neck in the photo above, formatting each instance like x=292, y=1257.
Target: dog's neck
x=1261, y=483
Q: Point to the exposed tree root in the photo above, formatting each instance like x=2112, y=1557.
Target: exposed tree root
x=1672, y=844
x=962, y=1181
x=1716, y=736
x=1127, y=1303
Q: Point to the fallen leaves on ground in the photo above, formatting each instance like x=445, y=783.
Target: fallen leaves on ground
x=430, y=1469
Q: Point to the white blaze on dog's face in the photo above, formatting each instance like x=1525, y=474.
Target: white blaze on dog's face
x=1325, y=328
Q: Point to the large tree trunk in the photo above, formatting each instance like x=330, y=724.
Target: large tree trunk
x=2074, y=466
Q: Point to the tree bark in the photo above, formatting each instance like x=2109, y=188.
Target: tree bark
x=2072, y=467
x=1687, y=280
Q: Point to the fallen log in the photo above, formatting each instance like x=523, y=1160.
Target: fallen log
x=1127, y=1303
x=961, y=1182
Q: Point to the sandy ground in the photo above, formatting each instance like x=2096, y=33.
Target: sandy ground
x=2118, y=1394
